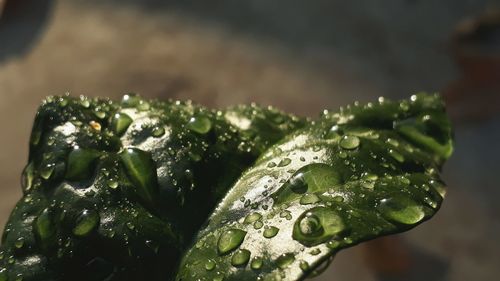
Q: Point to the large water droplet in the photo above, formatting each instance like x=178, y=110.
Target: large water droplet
x=199, y=124
x=230, y=240
x=240, y=257
x=120, y=123
x=285, y=260
x=349, y=142
x=311, y=178
x=270, y=232
x=86, y=223
x=401, y=210
x=141, y=170
x=317, y=225
x=81, y=164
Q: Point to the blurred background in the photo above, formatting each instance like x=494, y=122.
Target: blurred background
x=301, y=56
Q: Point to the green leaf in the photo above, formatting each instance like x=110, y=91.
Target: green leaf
x=350, y=177
x=117, y=190
x=152, y=190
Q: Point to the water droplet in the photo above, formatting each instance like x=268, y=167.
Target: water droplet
x=333, y=244
x=218, y=277
x=131, y=100
x=396, y=155
x=309, y=198
x=439, y=187
x=81, y=164
x=143, y=105
x=130, y=225
x=311, y=178
x=240, y=257
x=85, y=103
x=141, y=169
x=392, y=142
x=199, y=124
x=270, y=231
x=47, y=170
x=120, y=123
x=349, y=142
x=99, y=114
x=86, y=223
x=317, y=225
x=271, y=165
x=152, y=245
x=304, y=266
x=43, y=226
x=210, y=265
x=3, y=274
x=158, y=132
x=310, y=224
x=285, y=260
x=253, y=217
x=401, y=210
x=113, y=184
x=284, y=162
x=230, y=240
x=343, y=154
x=256, y=263
x=258, y=225
x=369, y=177
x=27, y=177
x=315, y=252
x=19, y=243
x=286, y=214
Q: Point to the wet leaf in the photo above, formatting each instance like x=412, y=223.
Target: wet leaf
x=354, y=175
x=151, y=190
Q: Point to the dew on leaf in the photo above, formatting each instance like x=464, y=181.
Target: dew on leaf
x=317, y=225
x=349, y=142
x=309, y=198
x=285, y=260
x=210, y=264
x=402, y=210
x=240, y=257
x=256, y=263
x=284, y=162
x=120, y=123
x=229, y=240
x=311, y=178
x=86, y=223
x=199, y=124
x=270, y=231
x=253, y=217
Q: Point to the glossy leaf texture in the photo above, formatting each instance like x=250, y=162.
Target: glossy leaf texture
x=118, y=190
x=353, y=175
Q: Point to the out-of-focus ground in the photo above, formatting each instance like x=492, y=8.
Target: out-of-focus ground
x=301, y=56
